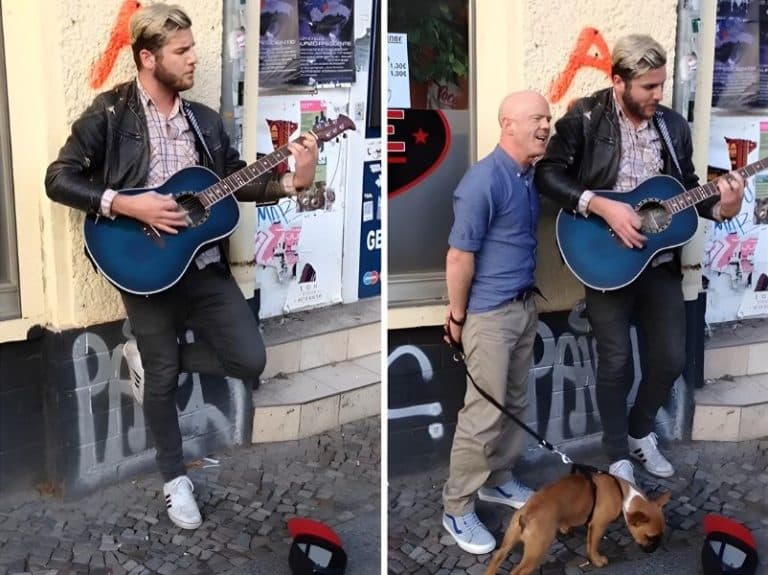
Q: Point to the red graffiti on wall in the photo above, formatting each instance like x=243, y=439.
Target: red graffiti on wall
x=582, y=57
x=731, y=250
x=118, y=39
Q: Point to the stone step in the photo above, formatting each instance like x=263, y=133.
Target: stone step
x=300, y=341
x=301, y=404
x=732, y=409
x=736, y=348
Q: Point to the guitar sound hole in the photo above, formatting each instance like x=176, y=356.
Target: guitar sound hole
x=654, y=217
x=196, y=212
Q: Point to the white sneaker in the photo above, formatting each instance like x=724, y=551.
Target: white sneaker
x=133, y=358
x=512, y=493
x=470, y=533
x=182, y=508
x=647, y=452
x=623, y=468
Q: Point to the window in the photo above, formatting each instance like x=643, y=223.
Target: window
x=10, y=306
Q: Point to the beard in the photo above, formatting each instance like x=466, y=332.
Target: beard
x=177, y=83
x=635, y=108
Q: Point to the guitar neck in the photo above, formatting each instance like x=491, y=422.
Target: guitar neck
x=698, y=194
x=244, y=176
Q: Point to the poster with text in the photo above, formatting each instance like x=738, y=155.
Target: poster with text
x=736, y=77
x=278, y=43
x=326, y=45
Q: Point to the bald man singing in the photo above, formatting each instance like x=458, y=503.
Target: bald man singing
x=490, y=275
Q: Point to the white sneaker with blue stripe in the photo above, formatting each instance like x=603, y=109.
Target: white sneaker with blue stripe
x=512, y=493
x=469, y=532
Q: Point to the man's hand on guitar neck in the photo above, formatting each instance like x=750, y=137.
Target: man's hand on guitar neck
x=156, y=210
x=621, y=218
x=731, y=188
x=305, y=153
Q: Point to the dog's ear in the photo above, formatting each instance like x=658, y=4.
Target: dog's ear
x=636, y=518
x=663, y=499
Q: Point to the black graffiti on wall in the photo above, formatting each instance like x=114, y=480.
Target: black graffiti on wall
x=426, y=386
x=102, y=429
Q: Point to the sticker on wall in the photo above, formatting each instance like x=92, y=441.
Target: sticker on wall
x=729, y=249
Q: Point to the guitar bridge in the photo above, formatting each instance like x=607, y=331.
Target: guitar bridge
x=153, y=235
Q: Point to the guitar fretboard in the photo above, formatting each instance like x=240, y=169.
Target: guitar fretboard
x=698, y=194
x=243, y=177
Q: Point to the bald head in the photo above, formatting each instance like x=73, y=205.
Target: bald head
x=524, y=120
x=516, y=103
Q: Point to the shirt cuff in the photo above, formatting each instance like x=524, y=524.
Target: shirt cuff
x=584, y=200
x=105, y=207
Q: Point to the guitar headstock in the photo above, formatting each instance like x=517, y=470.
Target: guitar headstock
x=329, y=129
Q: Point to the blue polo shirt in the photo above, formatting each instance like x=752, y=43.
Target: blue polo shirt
x=496, y=213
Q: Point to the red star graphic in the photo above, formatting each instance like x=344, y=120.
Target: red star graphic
x=420, y=137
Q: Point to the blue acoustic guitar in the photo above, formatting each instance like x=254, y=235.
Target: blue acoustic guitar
x=139, y=259
x=669, y=219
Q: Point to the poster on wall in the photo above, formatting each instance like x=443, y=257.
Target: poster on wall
x=736, y=79
x=298, y=241
x=399, y=87
x=326, y=46
x=369, y=275
x=729, y=255
x=278, y=43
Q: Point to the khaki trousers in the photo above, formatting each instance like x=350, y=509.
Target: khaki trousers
x=499, y=351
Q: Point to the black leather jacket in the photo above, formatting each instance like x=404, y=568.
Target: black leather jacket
x=109, y=148
x=585, y=151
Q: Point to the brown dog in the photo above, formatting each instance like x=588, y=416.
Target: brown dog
x=595, y=499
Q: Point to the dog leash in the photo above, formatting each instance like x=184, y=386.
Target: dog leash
x=458, y=350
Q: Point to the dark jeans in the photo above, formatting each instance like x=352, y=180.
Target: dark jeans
x=227, y=342
x=655, y=300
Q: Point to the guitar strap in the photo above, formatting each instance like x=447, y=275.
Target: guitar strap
x=664, y=131
x=198, y=131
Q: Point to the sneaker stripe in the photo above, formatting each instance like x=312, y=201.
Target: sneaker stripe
x=455, y=525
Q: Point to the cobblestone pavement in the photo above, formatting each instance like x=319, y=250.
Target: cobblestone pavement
x=726, y=478
x=245, y=500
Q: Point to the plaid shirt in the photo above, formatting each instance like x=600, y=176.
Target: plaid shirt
x=640, y=153
x=640, y=160
x=172, y=148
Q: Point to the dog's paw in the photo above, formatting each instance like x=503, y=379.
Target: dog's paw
x=599, y=560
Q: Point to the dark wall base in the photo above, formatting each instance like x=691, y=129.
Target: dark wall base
x=68, y=417
x=426, y=389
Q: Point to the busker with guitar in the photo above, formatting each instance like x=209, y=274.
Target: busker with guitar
x=139, y=134
x=614, y=140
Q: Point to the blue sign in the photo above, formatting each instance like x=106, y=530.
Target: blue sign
x=369, y=275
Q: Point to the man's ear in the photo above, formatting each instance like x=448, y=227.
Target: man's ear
x=147, y=59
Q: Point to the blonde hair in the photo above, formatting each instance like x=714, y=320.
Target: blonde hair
x=152, y=27
x=635, y=55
